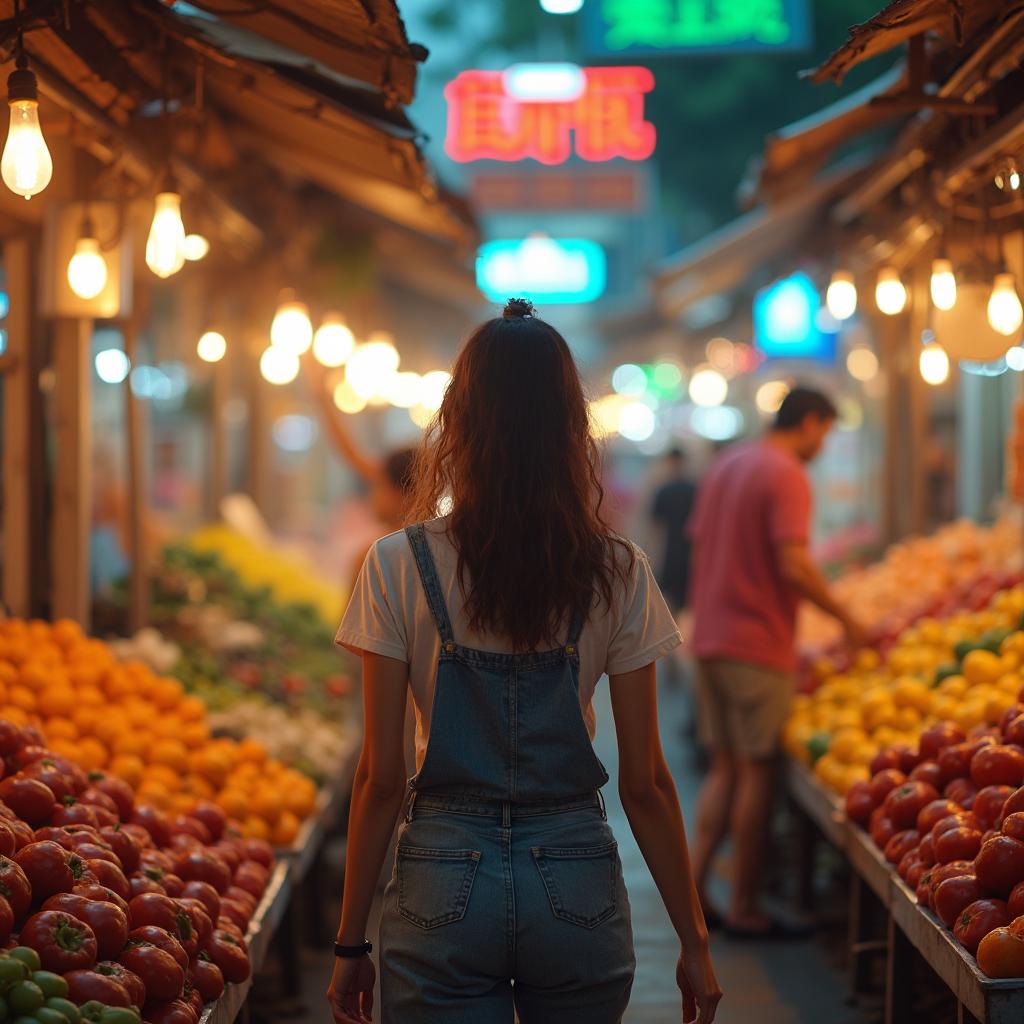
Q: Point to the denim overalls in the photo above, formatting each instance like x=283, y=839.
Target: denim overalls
x=507, y=889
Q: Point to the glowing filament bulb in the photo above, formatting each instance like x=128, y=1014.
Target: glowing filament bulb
x=165, y=246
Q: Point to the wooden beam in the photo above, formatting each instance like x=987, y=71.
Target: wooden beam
x=72, y=478
x=17, y=458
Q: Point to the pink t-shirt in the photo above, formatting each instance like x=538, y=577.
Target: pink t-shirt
x=753, y=498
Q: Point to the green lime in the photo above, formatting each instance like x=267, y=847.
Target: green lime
x=25, y=997
x=48, y=1015
x=119, y=1015
x=11, y=971
x=66, y=1007
x=51, y=984
x=24, y=1019
x=27, y=956
x=5, y=1010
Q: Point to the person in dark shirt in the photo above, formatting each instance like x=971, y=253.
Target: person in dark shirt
x=673, y=503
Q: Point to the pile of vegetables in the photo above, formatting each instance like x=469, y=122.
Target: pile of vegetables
x=116, y=912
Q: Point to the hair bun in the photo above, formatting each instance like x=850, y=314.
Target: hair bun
x=517, y=308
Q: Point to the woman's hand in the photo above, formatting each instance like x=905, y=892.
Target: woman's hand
x=351, y=990
x=695, y=976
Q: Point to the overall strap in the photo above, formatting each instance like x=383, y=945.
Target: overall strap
x=575, y=628
x=431, y=584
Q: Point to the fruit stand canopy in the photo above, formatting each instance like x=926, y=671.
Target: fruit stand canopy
x=235, y=96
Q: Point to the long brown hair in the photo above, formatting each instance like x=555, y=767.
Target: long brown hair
x=512, y=449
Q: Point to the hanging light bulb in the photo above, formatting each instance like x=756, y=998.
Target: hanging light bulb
x=1004, y=309
x=841, y=296
x=87, y=269
x=291, y=328
x=278, y=365
x=196, y=247
x=165, y=247
x=211, y=347
x=26, y=165
x=933, y=363
x=943, y=284
x=333, y=342
x=890, y=295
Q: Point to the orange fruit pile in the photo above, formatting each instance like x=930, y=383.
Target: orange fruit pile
x=124, y=718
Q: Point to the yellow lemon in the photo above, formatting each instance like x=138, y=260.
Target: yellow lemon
x=981, y=667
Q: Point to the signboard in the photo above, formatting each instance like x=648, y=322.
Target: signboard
x=627, y=27
x=554, y=270
x=486, y=121
x=623, y=190
x=788, y=324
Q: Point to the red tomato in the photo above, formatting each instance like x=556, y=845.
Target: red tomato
x=202, y=923
x=118, y=790
x=174, y=1012
x=108, y=921
x=212, y=817
x=193, y=998
x=977, y=920
x=97, y=798
x=905, y=803
x=62, y=942
x=90, y=848
x=926, y=850
x=22, y=833
x=1015, y=902
x=962, y=792
x=85, y=985
x=182, y=841
x=896, y=849
x=6, y=920
x=67, y=835
x=953, y=896
x=162, y=939
x=907, y=861
x=154, y=908
x=131, y=982
x=937, y=875
x=206, y=894
x=187, y=825
x=988, y=804
x=931, y=814
x=143, y=881
x=242, y=896
x=207, y=979
x=139, y=834
x=49, y=868
x=154, y=822
x=111, y=876
x=172, y=884
x=253, y=877
x=160, y=972
x=95, y=891
x=73, y=813
x=1014, y=802
x=1000, y=865
x=887, y=757
x=125, y=846
x=962, y=819
x=884, y=782
x=46, y=772
x=859, y=803
x=915, y=873
x=228, y=852
x=240, y=914
x=999, y=765
x=24, y=757
x=15, y=887
x=230, y=955
x=8, y=840
x=30, y=799
x=157, y=860
x=225, y=924
x=258, y=850
x=1001, y=954
x=935, y=737
x=11, y=738
x=930, y=772
x=957, y=844
x=1013, y=825
x=197, y=865
x=881, y=828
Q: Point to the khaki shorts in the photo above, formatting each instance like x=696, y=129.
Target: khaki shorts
x=742, y=707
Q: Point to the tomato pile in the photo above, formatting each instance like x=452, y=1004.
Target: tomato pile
x=118, y=904
x=949, y=815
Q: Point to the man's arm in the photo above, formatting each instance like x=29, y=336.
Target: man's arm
x=800, y=572
x=364, y=465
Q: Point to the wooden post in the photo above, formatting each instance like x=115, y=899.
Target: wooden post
x=218, y=440
x=898, y=976
x=256, y=433
x=72, y=511
x=890, y=343
x=17, y=451
x=915, y=449
x=136, y=422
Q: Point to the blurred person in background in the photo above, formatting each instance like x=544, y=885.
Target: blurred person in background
x=501, y=617
x=751, y=530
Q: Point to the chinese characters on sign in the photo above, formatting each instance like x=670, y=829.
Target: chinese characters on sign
x=696, y=26
x=604, y=122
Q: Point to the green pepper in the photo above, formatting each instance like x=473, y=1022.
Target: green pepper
x=11, y=971
x=53, y=985
x=25, y=997
x=48, y=1015
x=28, y=956
x=119, y=1015
x=66, y=1007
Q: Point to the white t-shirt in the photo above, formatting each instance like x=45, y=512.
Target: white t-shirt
x=388, y=614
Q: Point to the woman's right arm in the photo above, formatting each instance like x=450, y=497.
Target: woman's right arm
x=649, y=798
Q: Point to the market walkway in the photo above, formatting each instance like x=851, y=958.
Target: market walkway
x=798, y=983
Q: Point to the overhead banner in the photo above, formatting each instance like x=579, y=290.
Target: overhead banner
x=628, y=27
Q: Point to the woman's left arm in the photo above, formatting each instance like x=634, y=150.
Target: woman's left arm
x=377, y=794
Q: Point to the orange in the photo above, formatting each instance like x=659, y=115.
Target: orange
x=267, y=804
x=128, y=767
x=22, y=698
x=162, y=773
x=167, y=725
x=15, y=714
x=92, y=754
x=300, y=800
x=195, y=734
x=233, y=802
x=168, y=693
x=48, y=654
x=86, y=718
x=252, y=750
x=1001, y=954
x=8, y=673
x=182, y=803
x=66, y=632
x=172, y=753
x=91, y=697
x=34, y=675
x=138, y=712
x=66, y=748
x=134, y=743
x=85, y=673
x=39, y=631
x=17, y=652
x=111, y=726
x=150, y=792
x=255, y=828
x=117, y=682
x=286, y=829
x=61, y=729
x=3, y=694
x=57, y=701
x=199, y=788
x=213, y=764
x=192, y=709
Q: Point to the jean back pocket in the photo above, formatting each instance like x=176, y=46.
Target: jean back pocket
x=434, y=885
x=581, y=882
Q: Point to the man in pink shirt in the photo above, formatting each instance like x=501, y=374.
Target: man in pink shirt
x=751, y=530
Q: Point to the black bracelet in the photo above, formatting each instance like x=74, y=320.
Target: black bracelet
x=353, y=952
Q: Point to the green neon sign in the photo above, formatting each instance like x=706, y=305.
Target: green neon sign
x=696, y=26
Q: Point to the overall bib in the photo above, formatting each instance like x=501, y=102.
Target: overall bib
x=507, y=890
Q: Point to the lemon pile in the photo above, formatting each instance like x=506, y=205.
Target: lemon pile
x=852, y=715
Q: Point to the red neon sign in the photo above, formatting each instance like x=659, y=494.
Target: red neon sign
x=606, y=121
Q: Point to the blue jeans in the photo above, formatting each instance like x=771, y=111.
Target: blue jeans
x=494, y=905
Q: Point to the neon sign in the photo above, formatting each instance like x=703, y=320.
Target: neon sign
x=787, y=322
x=606, y=120
x=559, y=270
x=696, y=26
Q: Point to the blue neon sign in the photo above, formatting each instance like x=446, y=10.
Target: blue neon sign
x=788, y=321
x=554, y=270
